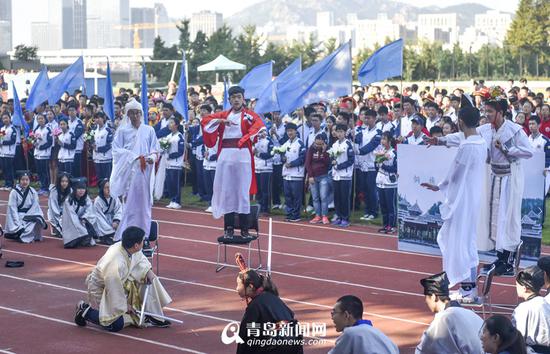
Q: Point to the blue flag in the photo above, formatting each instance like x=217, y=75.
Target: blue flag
x=267, y=102
x=109, y=104
x=180, y=101
x=144, y=96
x=257, y=79
x=69, y=79
x=386, y=62
x=18, y=120
x=327, y=79
x=226, y=104
x=39, y=90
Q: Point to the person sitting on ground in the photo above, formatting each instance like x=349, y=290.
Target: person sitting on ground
x=358, y=335
x=78, y=217
x=108, y=211
x=58, y=193
x=264, y=306
x=24, y=218
x=115, y=285
x=499, y=336
x=532, y=316
x=454, y=329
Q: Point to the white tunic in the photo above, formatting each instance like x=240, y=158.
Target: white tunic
x=532, y=319
x=24, y=213
x=457, y=238
x=128, y=180
x=504, y=225
x=453, y=331
x=231, y=191
x=363, y=339
x=106, y=211
x=71, y=220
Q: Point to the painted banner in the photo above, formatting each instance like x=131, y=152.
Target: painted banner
x=418, y=215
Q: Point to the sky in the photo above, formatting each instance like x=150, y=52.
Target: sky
x=37, y=10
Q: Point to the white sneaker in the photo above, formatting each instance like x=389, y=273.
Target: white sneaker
x=276, y=206
x=367, y=217
x=464, y=296
x=176, y=206
x=331, y=205
x=171, y=205
x=309, y=209
x=209, y=209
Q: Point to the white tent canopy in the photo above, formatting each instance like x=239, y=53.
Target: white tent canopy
x=221, y=63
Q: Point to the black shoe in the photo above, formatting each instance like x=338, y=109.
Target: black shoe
x=245, y=234
x=146, y=244
x=81, y=309
x=228, y=233
x=105, y=241
x=504, y=268
x=383, y=230
x=487, y=267
x=150, y=320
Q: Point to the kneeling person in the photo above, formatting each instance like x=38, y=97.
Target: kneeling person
x=116, y=287
x=24, y=218
x=108, y=211
x=78, y=217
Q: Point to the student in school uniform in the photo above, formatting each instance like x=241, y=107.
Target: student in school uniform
x=67, y=145
x=386, y=181
x=293, y=172
x=343, y=158
x=42, y=152
x=102, y=147
x=263, y=164
x=209, y=166
x=8, y=134
x=174, y=163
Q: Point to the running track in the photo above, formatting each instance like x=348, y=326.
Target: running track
x=312, y=266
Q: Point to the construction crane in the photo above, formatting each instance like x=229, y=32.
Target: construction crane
x=136, y=27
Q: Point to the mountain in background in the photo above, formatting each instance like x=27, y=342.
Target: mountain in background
x=282, y=13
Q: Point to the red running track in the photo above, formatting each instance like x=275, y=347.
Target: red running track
x=312, y=266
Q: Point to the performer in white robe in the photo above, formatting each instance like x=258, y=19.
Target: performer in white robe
x=58, y=193
x=453, y=329
x=24, y=218
x=135, y=150
x=508, y=144
x=235, y=179
x=116, y=287
x=108, y=211
x=532, y=317
x=78, y=217
x=457, y=238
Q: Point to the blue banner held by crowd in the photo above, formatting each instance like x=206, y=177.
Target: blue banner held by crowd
x=39, y=90
x=18, y=119
x=69, y=80
x=256, y=80
x=327, y=79
x=386, y=62
x=144, y=98
x=180, y=101
x=267, y=102
x=109, y=104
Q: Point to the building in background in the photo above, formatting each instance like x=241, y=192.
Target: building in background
x=143, y=15
x=494, y=25
x=439, y=28
x=5, y=27
x=65, y=28
x=105, y=19
x=170, y=35
x=205, y=21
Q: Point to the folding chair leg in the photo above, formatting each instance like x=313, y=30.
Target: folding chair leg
x=218, y=266
x=259, y=254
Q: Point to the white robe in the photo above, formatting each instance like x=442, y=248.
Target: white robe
x=55, y=210
x=363, y=339
x=504, y=223
x=31, y=222
x=127, y=180
x=71, y=220
x=453, y=331
x=117, y=280
x=105, y=214
x=532, y=319
x=457, y=238
x=231, y=189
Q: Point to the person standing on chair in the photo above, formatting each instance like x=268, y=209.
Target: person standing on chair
x=507, y=145
x=235, y=180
